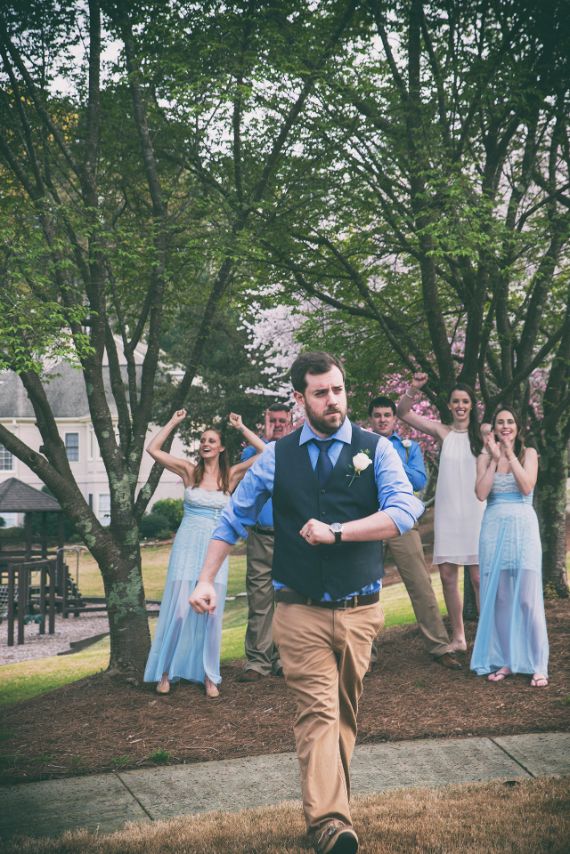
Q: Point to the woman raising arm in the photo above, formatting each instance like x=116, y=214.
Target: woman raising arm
x=457, y=511
x=183, y=467
x=187, y=645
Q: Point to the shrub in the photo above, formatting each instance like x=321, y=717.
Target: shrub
x=172, y=509
x=12, y=535
x=154, y=526
x=52, y=522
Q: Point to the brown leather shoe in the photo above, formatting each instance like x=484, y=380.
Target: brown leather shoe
x=250, y=676
x=335, y=837
x=447, y=660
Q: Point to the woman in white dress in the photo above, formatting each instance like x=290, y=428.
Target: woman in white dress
x=458, y=512
x=187, y=645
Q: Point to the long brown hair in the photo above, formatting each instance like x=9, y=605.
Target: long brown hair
x=224, y=473
x=519, y=446
x=474, y=431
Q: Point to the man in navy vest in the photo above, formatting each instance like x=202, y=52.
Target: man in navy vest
x=407, y=550
x=338, y=491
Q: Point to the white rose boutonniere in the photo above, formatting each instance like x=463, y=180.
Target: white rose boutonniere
x=407, y=443
x=360, y=463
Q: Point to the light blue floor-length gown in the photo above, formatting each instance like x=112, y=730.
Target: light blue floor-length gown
x=187, y=645
x=512, y=625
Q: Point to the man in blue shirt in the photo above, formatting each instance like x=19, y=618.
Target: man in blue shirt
x=338, y=492
x=261, y=654
x=407, y=549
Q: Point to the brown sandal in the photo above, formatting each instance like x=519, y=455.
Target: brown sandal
x=499, y=675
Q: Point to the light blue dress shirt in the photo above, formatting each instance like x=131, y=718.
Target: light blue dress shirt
x=395, y=494
x=265, y=518
x=412, y=460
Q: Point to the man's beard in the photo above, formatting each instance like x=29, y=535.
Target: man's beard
x=319, y=423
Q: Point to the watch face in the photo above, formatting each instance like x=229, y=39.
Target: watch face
x=336, y=527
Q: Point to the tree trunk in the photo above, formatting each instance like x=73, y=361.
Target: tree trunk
x=128, y=622
x=469, y=601
x=551, y=509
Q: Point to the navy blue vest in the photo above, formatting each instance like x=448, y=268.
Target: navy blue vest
x=297, y=496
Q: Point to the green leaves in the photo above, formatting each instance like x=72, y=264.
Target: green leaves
x=33, y=331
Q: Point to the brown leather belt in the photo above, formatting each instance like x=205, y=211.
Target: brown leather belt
x=289, y=597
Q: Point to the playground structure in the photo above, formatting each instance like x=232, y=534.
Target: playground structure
x=35, y=581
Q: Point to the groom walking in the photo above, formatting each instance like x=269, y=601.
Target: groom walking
x=337, y=492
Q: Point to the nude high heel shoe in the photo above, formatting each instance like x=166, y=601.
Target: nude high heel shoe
x=211, y=690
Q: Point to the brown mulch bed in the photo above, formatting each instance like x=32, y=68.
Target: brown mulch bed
x=101, y=723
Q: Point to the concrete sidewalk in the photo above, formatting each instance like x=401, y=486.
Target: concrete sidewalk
x=104, y=802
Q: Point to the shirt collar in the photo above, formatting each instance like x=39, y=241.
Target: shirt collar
x=343, y=434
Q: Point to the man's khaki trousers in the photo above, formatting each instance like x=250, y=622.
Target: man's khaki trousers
x=260, y=652
x=325, y=654
x=408, y=555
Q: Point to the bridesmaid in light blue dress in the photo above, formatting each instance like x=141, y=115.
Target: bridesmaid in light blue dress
x=511, y=635
x=187, y=645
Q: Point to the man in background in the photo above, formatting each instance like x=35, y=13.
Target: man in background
x=407, y=549
x=262, y=657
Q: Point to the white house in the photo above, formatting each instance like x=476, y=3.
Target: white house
x=65, y=389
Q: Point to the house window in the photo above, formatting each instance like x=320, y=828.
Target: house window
x=94, y=452
x=104, y=514
x=72, y=446
x=6, y=459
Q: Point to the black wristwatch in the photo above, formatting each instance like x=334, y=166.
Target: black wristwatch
x=336, y=529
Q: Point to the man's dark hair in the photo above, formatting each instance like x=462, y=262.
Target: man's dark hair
x=382, y=400
x=279, y=407
x=317, y=362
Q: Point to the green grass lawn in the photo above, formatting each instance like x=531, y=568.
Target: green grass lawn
x=155, y=562
x=30, y=678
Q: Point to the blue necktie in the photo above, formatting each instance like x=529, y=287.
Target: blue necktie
x=324, y=465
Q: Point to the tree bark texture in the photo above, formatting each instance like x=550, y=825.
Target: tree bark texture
x=551, y=509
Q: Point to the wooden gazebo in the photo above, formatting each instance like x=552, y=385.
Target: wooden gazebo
x=34, y=581
x=18, y=497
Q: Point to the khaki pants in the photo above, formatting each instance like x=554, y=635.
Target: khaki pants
x=409, y=558
x=260, y=650
x=325, y=654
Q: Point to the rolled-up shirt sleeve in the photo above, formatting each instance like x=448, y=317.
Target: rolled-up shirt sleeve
x=247, y=501
x=395, y=492
x=415, y=468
